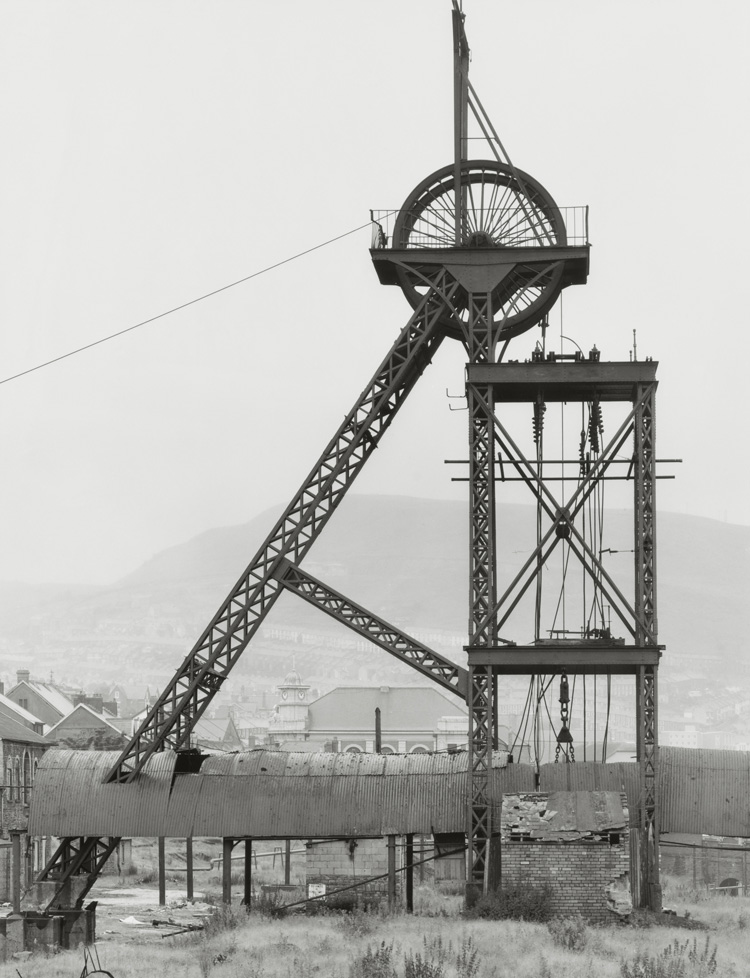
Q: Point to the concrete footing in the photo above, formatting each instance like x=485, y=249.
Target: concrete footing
x=31, y=931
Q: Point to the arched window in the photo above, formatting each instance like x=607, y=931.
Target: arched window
x=419, y=749
x=26, y=776
x=352, y=749
x=17, y=779
x=387, y=749
x=9, y=780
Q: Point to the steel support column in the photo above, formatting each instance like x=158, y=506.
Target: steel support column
x=644, y=477
x=483, y=596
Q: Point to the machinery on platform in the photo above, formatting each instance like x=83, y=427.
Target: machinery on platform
x=481, y=252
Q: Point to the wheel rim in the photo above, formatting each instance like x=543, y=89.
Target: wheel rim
x=503, y=209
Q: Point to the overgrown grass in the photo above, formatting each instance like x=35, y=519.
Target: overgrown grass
x=335, y=945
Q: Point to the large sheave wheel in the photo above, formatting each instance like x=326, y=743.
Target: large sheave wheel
x=500, y=208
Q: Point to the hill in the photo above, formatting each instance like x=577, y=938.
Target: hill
x=403, y=558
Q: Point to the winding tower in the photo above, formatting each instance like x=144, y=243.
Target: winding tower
x=482, y=253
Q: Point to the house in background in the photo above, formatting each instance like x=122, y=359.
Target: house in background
x=85, y=729
x=44, y=700
x=15, y=712
x=21, y=749
x=216, y=733
x=131, y=700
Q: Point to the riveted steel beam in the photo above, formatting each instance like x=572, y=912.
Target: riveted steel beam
x=375, y=629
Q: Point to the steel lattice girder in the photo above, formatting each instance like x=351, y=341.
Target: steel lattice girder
x=182, y=703
x=172, y=718
x=79, y=857
x=633, y=618
x=405, y=648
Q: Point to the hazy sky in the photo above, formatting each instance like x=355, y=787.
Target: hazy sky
x=154, y=151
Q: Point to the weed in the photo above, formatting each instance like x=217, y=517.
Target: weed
x=468, y=958
x=675, y=961
x=269, y=904
x=569, y=932
x=743, y=921
x=358, y=923
x=514, y=903
x=435, y=950
x=224, y=918
x=377, y=963
x=415, y=966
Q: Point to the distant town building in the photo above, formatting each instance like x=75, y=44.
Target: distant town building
x=413, y=719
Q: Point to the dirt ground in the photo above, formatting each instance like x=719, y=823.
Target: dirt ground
x=128, y=908
x=132, y=913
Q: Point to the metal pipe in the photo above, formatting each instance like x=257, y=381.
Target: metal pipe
x=378, y=732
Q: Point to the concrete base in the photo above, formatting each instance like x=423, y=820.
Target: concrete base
x=33, y=931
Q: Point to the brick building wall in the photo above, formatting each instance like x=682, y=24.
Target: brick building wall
x=577, y=873
x=18, y=763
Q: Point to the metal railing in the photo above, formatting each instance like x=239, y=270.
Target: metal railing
x=508, y=227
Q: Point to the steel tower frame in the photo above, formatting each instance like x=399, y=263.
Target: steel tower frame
x=484, y=283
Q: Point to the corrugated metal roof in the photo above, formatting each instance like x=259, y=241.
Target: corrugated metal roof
x=275, y=794
x=68, y=794
x=261, y=793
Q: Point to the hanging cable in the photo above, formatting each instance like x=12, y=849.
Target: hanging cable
x=183, y=305
x=606, y=723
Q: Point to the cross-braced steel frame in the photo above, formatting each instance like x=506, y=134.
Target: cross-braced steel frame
x=480, y=250
x=533, y=383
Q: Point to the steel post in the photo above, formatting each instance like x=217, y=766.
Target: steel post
x=248, y=894
x=162, y=873
x=189, y=867
x=646, y=623
x=391, y=873
x=226, y=870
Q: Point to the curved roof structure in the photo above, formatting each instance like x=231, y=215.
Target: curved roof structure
x=279, y=795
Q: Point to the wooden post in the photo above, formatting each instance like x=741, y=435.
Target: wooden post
x=421, y=859
x=378, y=732
x=391, y=872
x=410, y=874
x=288, y=862
x=189, y=866
x=695, y=860
x=744, y=874
x=226, y=871
x=15, y=838
x=248, y=894
x=162, y=873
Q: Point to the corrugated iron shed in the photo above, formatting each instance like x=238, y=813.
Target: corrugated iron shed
x=266, y=794
x=705, y=791
x=275, y=794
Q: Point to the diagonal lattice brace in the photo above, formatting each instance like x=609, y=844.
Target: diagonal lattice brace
x=405, y=648
x=539, y=556
x=172, y=718
x=562, y=514
x=79, y=858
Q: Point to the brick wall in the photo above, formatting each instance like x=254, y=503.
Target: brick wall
x=577, y=873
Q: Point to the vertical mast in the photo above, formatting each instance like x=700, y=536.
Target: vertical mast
x=460, y=114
